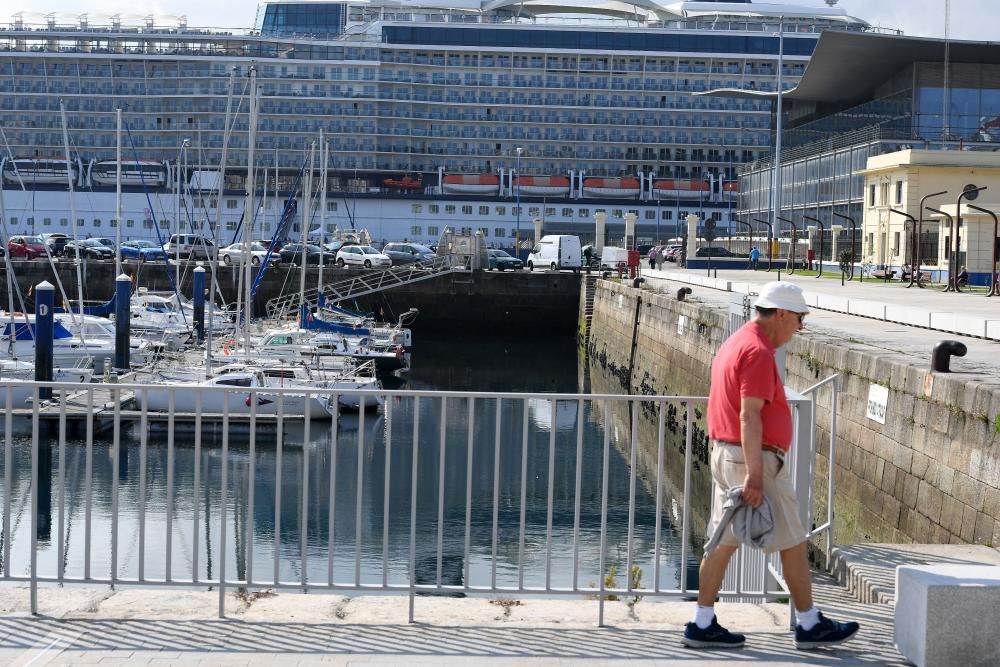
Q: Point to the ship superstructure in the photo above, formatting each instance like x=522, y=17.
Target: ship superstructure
x=483, y=115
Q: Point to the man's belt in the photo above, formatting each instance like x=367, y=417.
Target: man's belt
x=764, y=447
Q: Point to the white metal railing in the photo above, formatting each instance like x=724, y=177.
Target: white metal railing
x=532, y=503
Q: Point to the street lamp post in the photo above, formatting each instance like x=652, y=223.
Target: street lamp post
x=913, y=223
x=854, y=229
x=917, y=233
x=791, y=248
x=969, y=194
x=992, y=291
x=952, y=282
x=770, y=235
x=517, y=202
x=821, y=230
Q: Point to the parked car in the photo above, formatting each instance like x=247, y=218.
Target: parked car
x=335, y=246
x=713, y=251
x=672, y=252
x=56, y=241
x=362, y=255
x=292, y=254
x=28, y=247
x=190, y=246
x=89, y=249
x=233, y=254
x=407, y=253
x=501, y=260
x=110, y=243
x=143, y=251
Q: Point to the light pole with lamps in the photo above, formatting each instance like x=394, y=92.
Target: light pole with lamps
x=821, y=230
x=517, y=202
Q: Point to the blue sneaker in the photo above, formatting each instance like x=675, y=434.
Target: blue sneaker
x=714, y=636
x=824, y=633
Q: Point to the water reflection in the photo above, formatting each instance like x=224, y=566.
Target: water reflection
x=341, y=505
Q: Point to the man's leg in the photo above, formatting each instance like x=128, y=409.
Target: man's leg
x=795, y=567
x=712, y=572
x=813, y=630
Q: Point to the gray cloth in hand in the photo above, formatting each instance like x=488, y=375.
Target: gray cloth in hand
x=751, y=525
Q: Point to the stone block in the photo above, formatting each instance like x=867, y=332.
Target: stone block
x=993, y=329
x=946, y=480
x=968, y=491
x=866, y=308
x=968, y=523
x=910, y=487
x=919, y=317
x=947, y=614
x=929, y=501
x=951, y=515
x=984, y=528
x=889, y=478
x=918, y=465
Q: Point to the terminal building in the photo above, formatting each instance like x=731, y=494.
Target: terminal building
x=876, y=123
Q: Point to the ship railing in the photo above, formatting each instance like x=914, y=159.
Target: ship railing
x=441, y=493
x=368, y=282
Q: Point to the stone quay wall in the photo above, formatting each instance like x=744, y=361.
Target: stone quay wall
x=930, y=474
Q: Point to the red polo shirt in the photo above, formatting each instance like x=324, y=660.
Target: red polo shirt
x=745, y=366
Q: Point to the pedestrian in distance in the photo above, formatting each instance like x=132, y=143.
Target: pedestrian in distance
x=754, y=257
x=750, y=426
x=652, y=257
x=660, y=257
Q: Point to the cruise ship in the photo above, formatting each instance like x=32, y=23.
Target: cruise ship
x=482, y=115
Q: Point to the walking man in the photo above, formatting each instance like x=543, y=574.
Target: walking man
x=754, y=257
x=750, y=425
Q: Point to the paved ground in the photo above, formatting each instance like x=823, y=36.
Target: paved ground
x=913, y=341
x=85, y=626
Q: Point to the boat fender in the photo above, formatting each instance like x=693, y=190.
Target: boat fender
x=227, y=347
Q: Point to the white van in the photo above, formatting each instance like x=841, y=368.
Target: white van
x=555, y=252
x=612, y=256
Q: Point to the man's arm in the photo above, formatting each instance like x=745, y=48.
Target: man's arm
x=751, y=432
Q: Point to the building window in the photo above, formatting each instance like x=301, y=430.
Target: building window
x=466, y=210
x=449, y=209
x=501, y=210
x=899, y=192
x=499, y=233
x=433, y=231
x=417, y=208
x=884, y=195
x=895, y=243
x=416, y=230
x=871, y=194
x=584, y=213
x=484, y=210
x=230, y=203
x=433, y=208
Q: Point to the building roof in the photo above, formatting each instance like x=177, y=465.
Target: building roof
x=848, y=67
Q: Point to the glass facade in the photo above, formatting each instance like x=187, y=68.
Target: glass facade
x=315, y=19
x=973, y=102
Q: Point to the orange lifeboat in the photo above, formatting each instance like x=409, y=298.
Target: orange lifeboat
x=405, y=183
x=472, y=184
x=731, y=186
x=681, y=188
x=611, y=187
x=542, y=186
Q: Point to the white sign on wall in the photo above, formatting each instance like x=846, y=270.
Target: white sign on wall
x=878, y=400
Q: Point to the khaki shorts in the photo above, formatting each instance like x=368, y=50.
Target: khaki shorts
x=729, y=470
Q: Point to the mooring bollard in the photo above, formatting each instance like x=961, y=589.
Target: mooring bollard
x=123, y=320
x=43, y=334
x=199, y=303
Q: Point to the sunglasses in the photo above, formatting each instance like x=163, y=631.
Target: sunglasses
x=800, y=316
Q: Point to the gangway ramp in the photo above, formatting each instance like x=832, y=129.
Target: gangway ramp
x=366, y=283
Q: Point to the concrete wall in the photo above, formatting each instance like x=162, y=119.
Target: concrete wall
x=930, y=474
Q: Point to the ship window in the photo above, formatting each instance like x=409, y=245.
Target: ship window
x=30, y=221
x=499, y=232
x=484, y=210
x=417, y=208
x=230, y=203
x=550, y=212
x=112, y=223
x=466, y=231
x=13, y=221
x=433, y=208
x=331, y=206
x=516, y=210
x=616, y=213
x=147, y=224
x=97, y=222
x=533, y=210
x=567, y=213
x=63, y=222
x=484, y=231
x=230, y=225
x=416, y=230
x=432, y=231
x=466, y=210
x=79, y=222
x=449, y=209
x=666, y=215
x=501, y=210
x=130, y=223
x=584, y=213
x=650, y=215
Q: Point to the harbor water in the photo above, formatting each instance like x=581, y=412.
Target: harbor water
x=356, y=523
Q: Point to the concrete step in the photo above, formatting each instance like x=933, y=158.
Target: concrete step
x=868, y=571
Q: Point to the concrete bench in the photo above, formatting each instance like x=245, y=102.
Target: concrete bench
x=948, y=614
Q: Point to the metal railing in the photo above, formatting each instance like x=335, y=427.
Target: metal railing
x=441, y=493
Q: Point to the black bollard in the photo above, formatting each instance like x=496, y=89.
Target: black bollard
x=942, y=354
x=43, y=333
x=199, y=303
x=123, y=321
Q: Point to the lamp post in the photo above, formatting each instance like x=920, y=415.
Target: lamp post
x=917, y=233
x=952, y=281
x=992, y=291
x=913, y=222
x=970, y=194
x=822, y=229
x=517, y=202
x=770, y=235
x=854, y=229
x=791, y=249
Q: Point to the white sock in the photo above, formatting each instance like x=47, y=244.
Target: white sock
x=808, y=619
x=703, y=616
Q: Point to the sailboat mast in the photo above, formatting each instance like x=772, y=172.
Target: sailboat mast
x=304, y=235
x=10, y=279
x=248, y=209
x=214, y=262
x=118, y=193
x=323, y=156
x=72, y=207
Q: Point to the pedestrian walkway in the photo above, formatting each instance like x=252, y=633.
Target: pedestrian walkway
x=857, y=312
x=144, y=627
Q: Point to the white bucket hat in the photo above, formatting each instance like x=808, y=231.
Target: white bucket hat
x=786, y=296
